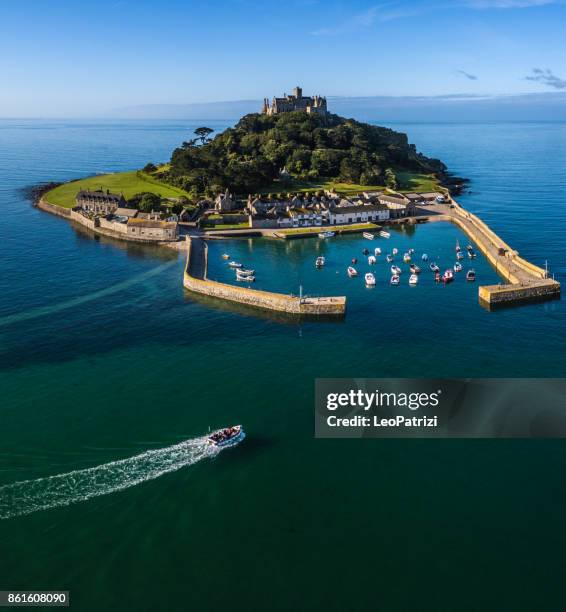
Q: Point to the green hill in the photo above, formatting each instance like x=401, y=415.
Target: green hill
x=315, y=150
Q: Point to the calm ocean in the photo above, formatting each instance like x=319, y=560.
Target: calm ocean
x=104, y=357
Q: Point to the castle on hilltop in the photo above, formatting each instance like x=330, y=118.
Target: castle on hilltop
x=295, y=102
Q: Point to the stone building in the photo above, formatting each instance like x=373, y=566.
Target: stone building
x=152, y=231
x=99, y=202
x=225, y=202
x=295, y=102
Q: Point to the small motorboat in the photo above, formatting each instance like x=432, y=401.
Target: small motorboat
x=368, y=235
x=370, y=279
x=372, y=260
x=365, y=252
x=384, y=234
x=406, y=258
x=472, y=254
x=471, y=275
x=437, y=277
x=458, y=249
x=226, y=437
x=395, y=251
x=354, y=260
x=396, y=270
x=395, y=279
x=413, y=279
x=324, y=235
x=352, y=271
x=389, y=258
x=414, y=269
x=320, y=261
x=424, y=257
x=470, y=247
x=235, y=264
x=377, y=251
x=459, y=255
x=246, y=278
x=225, y=256
x=434, y=267
x=457, y=267
x=411, y=251
x=448, y=276
x=242, y=272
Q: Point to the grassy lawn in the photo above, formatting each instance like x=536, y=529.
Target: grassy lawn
x=408, y=181
x=128, y=183
x=421, y=183
x=226, y=226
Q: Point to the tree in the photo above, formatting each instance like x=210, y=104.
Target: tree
x=150, y=202
x=203, y=133
x=149, y=168
x=390, y=179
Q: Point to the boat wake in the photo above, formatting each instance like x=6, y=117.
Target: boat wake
x=29, y=496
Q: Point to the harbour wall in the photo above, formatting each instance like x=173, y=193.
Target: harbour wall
x=195, y=280
x=527, y=282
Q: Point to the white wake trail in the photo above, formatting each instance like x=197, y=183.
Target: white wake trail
x=30, y=496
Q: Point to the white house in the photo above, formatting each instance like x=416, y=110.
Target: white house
x=358, y=214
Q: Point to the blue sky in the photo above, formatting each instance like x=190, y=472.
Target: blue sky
x=69, y=58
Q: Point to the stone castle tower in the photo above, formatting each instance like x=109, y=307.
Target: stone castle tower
x=295, y=102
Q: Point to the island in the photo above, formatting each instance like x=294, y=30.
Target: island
x=292, y=170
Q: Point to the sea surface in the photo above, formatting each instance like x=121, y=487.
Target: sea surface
x=111, y=374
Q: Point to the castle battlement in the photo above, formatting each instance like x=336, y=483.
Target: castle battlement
x=295, y=102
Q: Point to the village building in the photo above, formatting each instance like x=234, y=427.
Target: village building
x=366, y=213
x=155, y=231
x=99, y=202
x=295, y=102
x=129, y=213
x=225, y=202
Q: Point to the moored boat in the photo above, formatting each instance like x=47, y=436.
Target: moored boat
x=472, y=254
x=243, y=272
x=395, y=279
x=371, y=260
x=377, y=251
x=370, y=279
x=434, y=267
x=457, y=267
x=384, y=234
x=459, y=255
x=235, y=264
x=368, y=235
x=458, y=249
x=414, y=269
x=365, y=252
x=225, y=256
x=448, y=276
x=470, y=247
x=352, y=271
x=413, y=279
x=424, y=257
x=320, y=261
x=327, y=234
x=395, y=251
x=396, y=270
x=406, y=258
x=411, y=251
x=354, y=260
x=246, y=278
x=437, y=277
x=226, y=437
x=389, y=258
x=471, y=275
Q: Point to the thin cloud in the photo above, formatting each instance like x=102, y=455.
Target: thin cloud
x=507, y=4
x=359, y=21
x=546, y=77
x=470, y=77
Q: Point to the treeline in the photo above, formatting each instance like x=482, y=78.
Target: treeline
x=249, y=156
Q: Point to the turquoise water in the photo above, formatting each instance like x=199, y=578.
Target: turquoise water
x=103, y=358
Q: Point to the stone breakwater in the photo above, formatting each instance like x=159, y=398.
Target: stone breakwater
x=195, y=280
x=526, y=282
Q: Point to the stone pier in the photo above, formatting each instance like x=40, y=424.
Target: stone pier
x=195, y=279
